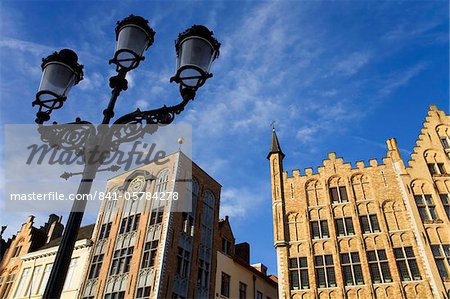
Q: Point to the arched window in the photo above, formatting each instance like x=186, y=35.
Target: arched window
x=424, y=200
x=18, y=248
x=161, y=181
x=443, y=133
x=435, y=162
x=314, y=193
x=338, y=191
x=444, y=195
x=360, y=185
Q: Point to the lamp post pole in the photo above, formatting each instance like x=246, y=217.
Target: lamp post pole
x=196, y=49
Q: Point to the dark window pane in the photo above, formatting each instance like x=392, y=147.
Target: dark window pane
x=441, y=168
x=414, y=269
x=358, y=274
x=348, y=279
x=398, y=253
x=324, y=227
x=386, y=272
x=303, y=262
x=382, y=254
x=328, y=260
x=334, y=194
x=432, y=213
x=305, y=279
x=355, y=257
x=423, y=214
x=441, y=267
x=331, y=277
x=371, y=256
x=403, y=270
x=409, y=252
x=293, y=263
x=340, y=227
x=321, y=278
x=345, y=258
x=315, y=230
x=444, y=198
x=318, y=260
x=374, y=273
x=431, y=168
x=374, y=222
x=294, y=279
x=343, y=193
x=365, y=224
x=349, y=225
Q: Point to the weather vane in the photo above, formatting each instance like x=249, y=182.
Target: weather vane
x=272, y=124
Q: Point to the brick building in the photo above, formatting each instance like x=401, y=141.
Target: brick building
x=235, y=277
x=150, y=249
x=35, y=268
x=374, y=231
x=28, y=239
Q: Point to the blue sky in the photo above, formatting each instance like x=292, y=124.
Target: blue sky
x=338, y=76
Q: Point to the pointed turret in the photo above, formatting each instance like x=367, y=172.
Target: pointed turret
x=275, y=146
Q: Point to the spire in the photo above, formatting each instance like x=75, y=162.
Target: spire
x=275, y=145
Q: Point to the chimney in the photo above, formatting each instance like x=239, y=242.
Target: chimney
x=53, y=228
x=261, y=268
x=242, y=251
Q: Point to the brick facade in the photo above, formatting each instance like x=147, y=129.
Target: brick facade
x=181, y=240
x=366, y=230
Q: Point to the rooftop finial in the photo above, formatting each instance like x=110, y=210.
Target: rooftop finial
x=272, y=124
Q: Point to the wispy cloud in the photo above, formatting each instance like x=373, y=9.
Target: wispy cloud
x=399, y=79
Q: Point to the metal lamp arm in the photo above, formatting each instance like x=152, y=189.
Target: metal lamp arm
x=164, y=115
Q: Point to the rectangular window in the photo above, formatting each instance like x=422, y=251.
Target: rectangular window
x=156, y=216
x=183, y=259
x=188, y=224
x=225, y=285
x=68, y=284
x=426, y=207
x=351, y=268
x=441, y=255
x=369, y=224
x=203, y=274
x=129, y=224
x=44, y=280
x=325, y=273
x=17, y=251
x=104, y=231
x=121, y=261
x=8, y=286
x=115, y=295
x=298, y=273
x=446, y=203
x=150, y=251
x=242, y=290
x=379, y=266
x=23, y=281
x=344, y=226
x=96, y=264
x=338, y=194
x=259, y=295
x=319, y=229
x=226, y=246
x=436, y=168
x=406, y=264
x=143, y=292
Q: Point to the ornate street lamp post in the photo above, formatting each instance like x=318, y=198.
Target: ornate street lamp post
x=196, y=49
